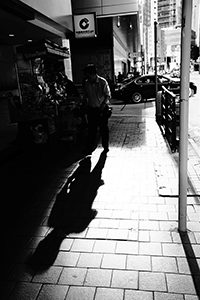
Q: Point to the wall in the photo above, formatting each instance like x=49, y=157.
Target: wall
x=57, y=10
x=97, y=50
x=120, y=57
x=105, y=7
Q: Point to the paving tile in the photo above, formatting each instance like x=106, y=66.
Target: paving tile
x=152, y=281
x=67, y=259
x=164, y=264
x=125, y=279
x=113, y=261
x=34, y=242
x=118, y=214
x=79, y=234
x=90, y=260
x=37, y=231
x=156, y=200
x=104, y=213
x=80, y=293
x=49, y=276
x=148, y=207
x=25, y=290
x=132, y=235
x=167, y=296
x=97, y=233
x=176, y=237
x=109, y=223
x=158, y=216
x=54, y=292
x=197, y=237
x=150, y=248
x=106, y=246
x=191, y=297
x=72, y=276
x=138, y=295
x=127, y=247
x=20, y=272
x=118, y=234
x=172, y=216
x=193, y=226
x=143, y=215
x=168, y=225
x=196, y=249
x=166, y=207
x=143, y=236
x=113, y=206
x=81, y=245
x=184, y=267
x=194, y=266
x=139, y=262
x=128, y=224
x=193, y=217
x=19, y=241
x=6, y=288
x=17, y=255
x=148, y=225
x=173, y=250
x=133, y=242
x=94, y=223
x=66, y=244
x=178, y=283
x=109, y=294
x=5, y=270
x=160, y=236
x=98, y=277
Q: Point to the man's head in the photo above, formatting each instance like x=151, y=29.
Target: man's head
x=90, y=72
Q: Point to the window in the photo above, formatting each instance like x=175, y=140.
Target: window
x=146, y=80
x=163, y=80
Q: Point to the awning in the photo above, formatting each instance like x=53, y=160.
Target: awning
x=44, y=48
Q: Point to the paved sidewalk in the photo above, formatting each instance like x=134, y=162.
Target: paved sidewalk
x=130, y=250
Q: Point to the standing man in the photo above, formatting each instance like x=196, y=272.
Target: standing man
x=96, y=96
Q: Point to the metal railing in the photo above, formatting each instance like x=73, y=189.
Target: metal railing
x=167, y=115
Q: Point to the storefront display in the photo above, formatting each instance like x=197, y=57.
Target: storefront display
x=46, y=103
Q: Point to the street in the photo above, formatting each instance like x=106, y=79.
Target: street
x=148, y=109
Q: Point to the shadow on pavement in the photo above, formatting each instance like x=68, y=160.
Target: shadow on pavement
x=72, y=211
x=25, y=177
x=192, y=261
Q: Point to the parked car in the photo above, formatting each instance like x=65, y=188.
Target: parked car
x=143, y=88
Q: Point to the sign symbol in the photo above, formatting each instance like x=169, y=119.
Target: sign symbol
x=84, y=23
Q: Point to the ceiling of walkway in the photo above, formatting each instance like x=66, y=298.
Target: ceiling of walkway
x=20, y=28
x=128, y=31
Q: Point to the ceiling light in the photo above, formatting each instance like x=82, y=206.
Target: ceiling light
x=118, y=22
x=11, y=35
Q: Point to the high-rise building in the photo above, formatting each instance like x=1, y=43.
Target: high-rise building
x=169, y=13
x=196, y=19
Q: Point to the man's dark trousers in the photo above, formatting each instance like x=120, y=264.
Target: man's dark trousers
x=97, y=118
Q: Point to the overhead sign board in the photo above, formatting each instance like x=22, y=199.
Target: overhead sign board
x=43, y=48
x=85, y=25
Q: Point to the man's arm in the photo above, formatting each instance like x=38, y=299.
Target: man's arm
x=107, y=94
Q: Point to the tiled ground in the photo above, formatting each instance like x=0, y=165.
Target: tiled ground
x=131, y=250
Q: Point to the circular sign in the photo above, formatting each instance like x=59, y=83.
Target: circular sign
x=84, y=23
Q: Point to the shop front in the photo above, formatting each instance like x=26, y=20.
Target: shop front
x=45, y=107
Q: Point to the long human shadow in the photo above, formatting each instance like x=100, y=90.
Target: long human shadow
x=72, y=211
x=192, y=261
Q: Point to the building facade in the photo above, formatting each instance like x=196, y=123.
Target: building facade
x=169, y=13
x=117, y=43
